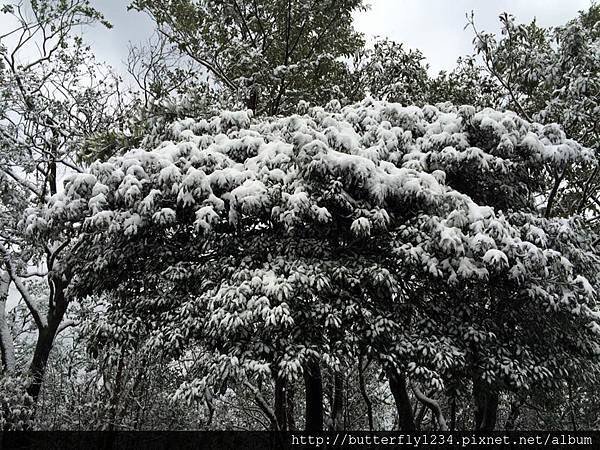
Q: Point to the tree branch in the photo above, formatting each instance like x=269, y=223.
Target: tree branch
x=24, y=183
x=7, y=348
x=66, y=324
x=262, y=403
x=38, y=318
x=433, y=405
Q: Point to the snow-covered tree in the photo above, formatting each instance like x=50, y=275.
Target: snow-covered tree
x=552, y=76
x=395, y=74
x=268, y=54
x=466, y=84
x=53, y=96
x=283, y=247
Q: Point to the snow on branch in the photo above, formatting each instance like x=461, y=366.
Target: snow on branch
x=38, y=318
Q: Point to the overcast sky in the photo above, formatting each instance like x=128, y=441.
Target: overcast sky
x=436, y=27
x=433, y=26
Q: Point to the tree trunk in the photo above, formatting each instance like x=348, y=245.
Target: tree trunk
x=433, y=405
x=314, y=396
x=397, y=382
x=7, y=348
x=486, y=406
x=291, y=420
x=365, y=395
x=551, y=198
x=252, y=100
x=571, y=409
x=261, y=402
x=338, y=401
x=419, y=417
x=280, y=405
x=116, y=395
x=43, y=346
x=515, y=411
x=453, y=412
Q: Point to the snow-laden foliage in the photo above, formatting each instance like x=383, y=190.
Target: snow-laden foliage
x=552, y=75
x=407, y=233
x=269, y=54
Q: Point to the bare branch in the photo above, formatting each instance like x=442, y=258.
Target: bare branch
x=34, y=274
x=26, y=184
x=66, y=324
x=262, y=403
x=432, y=404
x=39, y=319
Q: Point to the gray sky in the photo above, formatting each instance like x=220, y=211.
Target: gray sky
x=433, y=26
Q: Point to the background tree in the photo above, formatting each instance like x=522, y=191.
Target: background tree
x=268, y=54
x=53, y=96
x=552, y=75
x=394, y=74
x=466, y=84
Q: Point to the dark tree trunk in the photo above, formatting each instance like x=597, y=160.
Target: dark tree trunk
x=314, y=396
x=365, y=395
x=252, y=101
x=338, y=401
x=280, y=405
x=46, y=335
x=43, y=346
x=421, y=412
x=291, y=420
x=290, y=409
x=515, y=411
x=115, y=395
x=453, y=412
x=571, y=408
x=550, y=203
x=406, y=421
x=486, y=406
x=52, y=177
x=137, y=382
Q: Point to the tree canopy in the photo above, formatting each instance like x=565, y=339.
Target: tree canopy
x=308, y=238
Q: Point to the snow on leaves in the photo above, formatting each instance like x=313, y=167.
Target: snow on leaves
x=426, y=185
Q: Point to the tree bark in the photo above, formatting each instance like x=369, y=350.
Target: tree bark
x=486, y=406
x=338, y=401
x=314, y=396
x=291, y=420
x=515, y=411
x=7, y=348
x=262, y=403
x=46, y=334
x=365, y=395
x=280, y=405
x=433, y=405
x=571, y=409
x=116, y=395
x=453, y=412
x=419, y=416
x=397, y=382
x=552, y=197
x=252, y=101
